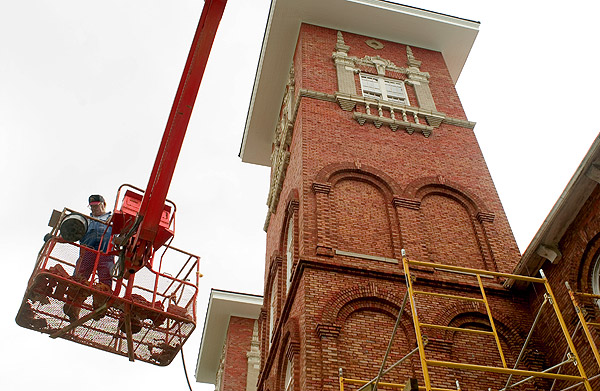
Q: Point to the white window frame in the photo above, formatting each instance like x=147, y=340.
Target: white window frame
x=272, y=311
x=289, y=253
x=378, y=87
x=287, y=386
x=596, y=279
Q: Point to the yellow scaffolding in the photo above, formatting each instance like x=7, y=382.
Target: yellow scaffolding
x=548, y=298
x=581, y=314
x=571, y=356
x=410, y=385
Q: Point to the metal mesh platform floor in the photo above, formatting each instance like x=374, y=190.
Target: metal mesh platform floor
x=92, y=315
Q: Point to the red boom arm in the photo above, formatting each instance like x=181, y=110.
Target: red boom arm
x=139, y=249
x=168, y=152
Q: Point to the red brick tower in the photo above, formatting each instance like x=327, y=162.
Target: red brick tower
x=355, y=110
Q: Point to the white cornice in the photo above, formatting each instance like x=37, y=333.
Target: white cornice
x=221, y=306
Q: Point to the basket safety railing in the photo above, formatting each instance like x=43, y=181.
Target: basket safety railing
x=126, y=186
x=147, y=317
x=504, y=369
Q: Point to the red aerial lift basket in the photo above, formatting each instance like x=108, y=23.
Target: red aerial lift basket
x=147, y=317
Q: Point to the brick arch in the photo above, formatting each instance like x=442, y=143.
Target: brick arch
x=360, y=296
x=510, y=340
x=510, y=334
x=291, y=332
x=367, y=303
x=445, y=314
x=355, y=323
x=328, y=232
x=462, y=208
x=449, y=313
x=458, y=314
x=420, y=188
x=342, y=220
x=337, y=171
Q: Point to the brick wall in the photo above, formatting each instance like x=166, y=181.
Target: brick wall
x=237, y=345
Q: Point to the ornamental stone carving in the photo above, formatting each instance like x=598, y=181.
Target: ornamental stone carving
x=345, y=67
x=280, y=157
x=374, y=44
x=348, y=98
x=420, y=81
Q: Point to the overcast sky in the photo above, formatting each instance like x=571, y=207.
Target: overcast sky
x=85, y=92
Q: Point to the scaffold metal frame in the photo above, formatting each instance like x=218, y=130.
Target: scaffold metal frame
x=581, y=312
x=504, y=369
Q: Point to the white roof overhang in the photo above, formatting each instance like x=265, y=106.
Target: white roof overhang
x=222, y=305
x=545, y=243
x=451, y=36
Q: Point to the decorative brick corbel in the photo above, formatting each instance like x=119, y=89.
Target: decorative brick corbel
x=322, y=188
x=274, y=262
x=292, y=349
x=439, y=345
x=485, y=217
x=328, y=330
x=408, y=203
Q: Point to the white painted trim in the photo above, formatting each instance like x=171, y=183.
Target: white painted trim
x=596, y=279
x=289, y=253
x=366, y=256
x=222, y=305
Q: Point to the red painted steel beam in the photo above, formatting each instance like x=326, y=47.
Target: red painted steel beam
x=168, y=152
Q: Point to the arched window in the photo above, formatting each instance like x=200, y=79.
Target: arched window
x=596, y=279
x=272, y=309
x=288, y=383
x=289, y=255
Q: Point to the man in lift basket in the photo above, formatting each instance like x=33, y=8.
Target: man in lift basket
x=96, y=238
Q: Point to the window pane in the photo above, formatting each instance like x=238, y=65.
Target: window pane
x=395, y=98
x=370, y=86
x=372, y=94
x=272, y=310
x=395, y=90
x=289, y=253
x=288, y=376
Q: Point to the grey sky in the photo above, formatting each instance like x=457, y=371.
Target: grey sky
x=85, y=91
